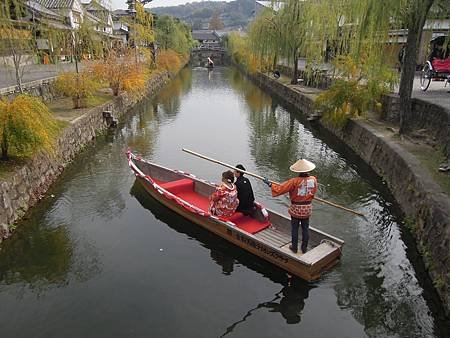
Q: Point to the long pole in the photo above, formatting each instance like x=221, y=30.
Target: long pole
x=262, y=178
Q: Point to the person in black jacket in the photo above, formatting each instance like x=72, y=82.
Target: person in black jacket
x=245, y=193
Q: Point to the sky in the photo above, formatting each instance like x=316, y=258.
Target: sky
x=155, y=3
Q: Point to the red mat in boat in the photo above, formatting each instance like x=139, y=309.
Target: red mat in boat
x=250, y=225
x=184, y=189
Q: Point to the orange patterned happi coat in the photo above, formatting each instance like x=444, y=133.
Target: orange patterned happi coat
x=301, y=192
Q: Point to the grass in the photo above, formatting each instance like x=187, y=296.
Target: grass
x=429, y=157
x=431, y=161
x=62, y=108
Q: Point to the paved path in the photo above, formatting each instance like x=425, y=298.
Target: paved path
x=32, y=73
x=436, y=93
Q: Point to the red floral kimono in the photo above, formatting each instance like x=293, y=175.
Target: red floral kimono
x=224, y=201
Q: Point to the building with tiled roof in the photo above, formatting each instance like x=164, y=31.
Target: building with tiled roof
x=56, y=3
x=101, y=16
x=45, y=16
x=71, y=10
x=205, y=36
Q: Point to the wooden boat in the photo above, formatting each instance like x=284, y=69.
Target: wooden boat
x=267, y=235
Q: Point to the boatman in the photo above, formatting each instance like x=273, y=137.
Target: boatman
x=245, y=192
x=301, y=191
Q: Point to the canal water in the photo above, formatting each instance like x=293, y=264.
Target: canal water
x=99, y=258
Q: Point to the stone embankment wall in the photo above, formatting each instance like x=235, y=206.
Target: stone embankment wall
x=320, y=81
x=432, y=119
x=27, y=184
x=43, y=88
x=421, y=199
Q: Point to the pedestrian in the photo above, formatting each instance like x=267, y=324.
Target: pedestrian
x=301, y=191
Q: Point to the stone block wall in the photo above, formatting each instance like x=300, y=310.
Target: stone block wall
x=432, y=118
x=43, y=88
x=301, y=101
x=322, y=81
x=26, y=186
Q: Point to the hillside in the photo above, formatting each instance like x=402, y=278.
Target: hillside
x=234, y=14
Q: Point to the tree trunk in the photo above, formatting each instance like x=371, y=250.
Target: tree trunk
x=115, y=88
x=4, y=146
x=417, y=19
x=16, y=61
x=295, y=75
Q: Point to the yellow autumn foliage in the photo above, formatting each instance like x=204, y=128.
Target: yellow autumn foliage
x=79, y=87
x=136, y=79
x=169, y=60
x=26, y=124
x=122, y=73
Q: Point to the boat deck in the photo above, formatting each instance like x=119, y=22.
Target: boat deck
x=274, y=237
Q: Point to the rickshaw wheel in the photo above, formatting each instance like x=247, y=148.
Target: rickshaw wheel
x=425, y=77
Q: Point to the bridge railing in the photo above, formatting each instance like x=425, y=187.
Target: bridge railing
x=208, y=48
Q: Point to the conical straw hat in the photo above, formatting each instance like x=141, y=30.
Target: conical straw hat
x=302, y=166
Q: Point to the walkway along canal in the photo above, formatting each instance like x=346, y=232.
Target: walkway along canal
x=102, y=259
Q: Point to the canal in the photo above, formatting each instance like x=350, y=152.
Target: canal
x=99, y=258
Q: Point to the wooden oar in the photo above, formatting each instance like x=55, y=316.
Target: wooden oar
x=263, y=178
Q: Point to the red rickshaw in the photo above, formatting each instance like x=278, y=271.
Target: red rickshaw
x=438, y=65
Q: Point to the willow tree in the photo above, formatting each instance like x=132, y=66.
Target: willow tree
x=265, y=35
x=15, y=36
x=280, y=35
x=26, y=124
x=292, y=21
x=415, y=13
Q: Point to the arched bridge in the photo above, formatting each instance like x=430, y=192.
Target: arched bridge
x=199, y=55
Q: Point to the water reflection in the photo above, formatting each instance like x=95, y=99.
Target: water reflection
x=141, y=131
x=224, y=260
x=42, y=257
x=289, y=302
x=97, y=174
x=169, y=98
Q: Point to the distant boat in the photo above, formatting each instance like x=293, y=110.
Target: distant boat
x=210, y=63
x=267, y=235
